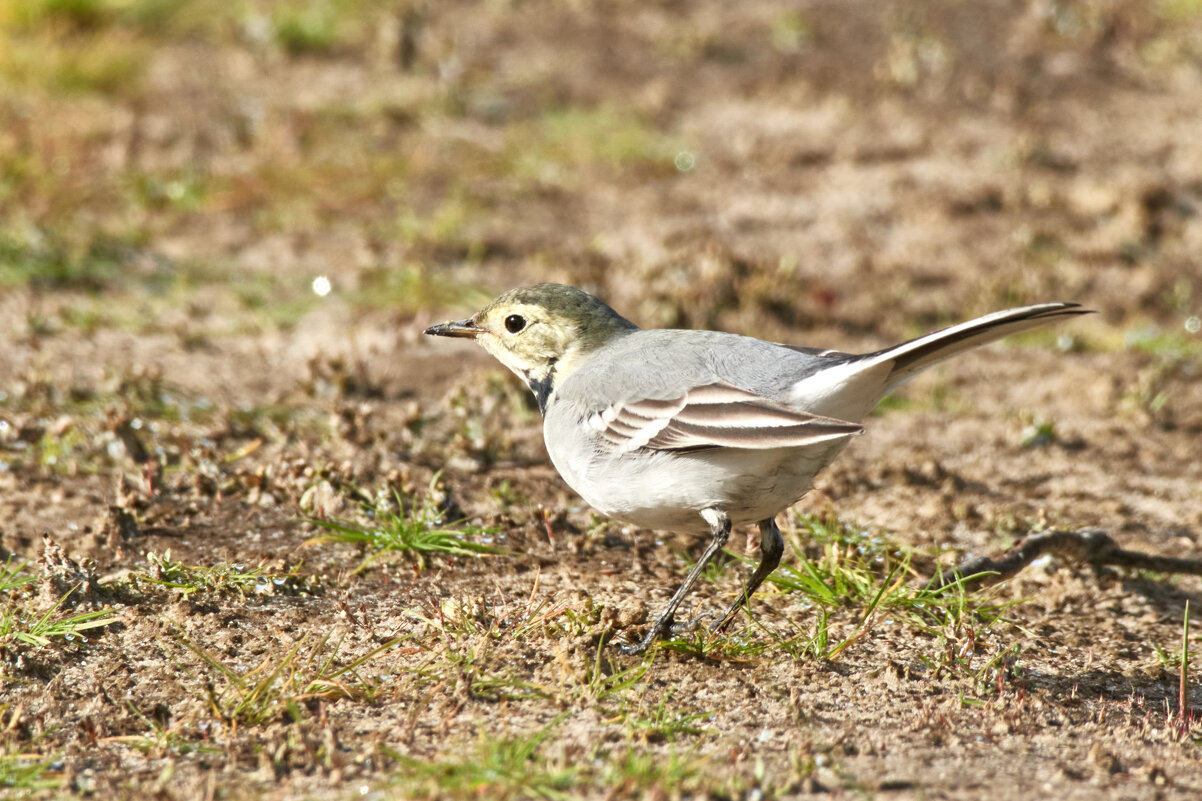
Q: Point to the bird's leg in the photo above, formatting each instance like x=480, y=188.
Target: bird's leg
x=719, y=523
x=772, y=546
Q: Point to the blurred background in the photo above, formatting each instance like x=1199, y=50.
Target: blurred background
x=202, y=179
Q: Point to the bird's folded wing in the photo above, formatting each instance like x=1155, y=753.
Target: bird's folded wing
x=714, y=416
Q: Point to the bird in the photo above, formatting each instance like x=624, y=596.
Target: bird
x=698, y=431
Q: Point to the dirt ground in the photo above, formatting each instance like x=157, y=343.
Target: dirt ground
x=223, y=229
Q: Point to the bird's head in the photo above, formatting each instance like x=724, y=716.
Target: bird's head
x=540, y=332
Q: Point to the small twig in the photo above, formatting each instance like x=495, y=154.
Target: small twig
x=1091, y=545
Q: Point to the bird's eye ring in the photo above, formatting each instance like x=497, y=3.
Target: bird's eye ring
x=515, y=323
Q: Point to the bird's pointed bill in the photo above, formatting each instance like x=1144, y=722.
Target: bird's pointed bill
x=456, y=328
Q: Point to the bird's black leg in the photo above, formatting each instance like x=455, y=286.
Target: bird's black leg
x=772, y=546
x=719, y=523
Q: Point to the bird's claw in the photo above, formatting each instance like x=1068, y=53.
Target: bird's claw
x=666, y=629
x=660, y=629
x=691, y=625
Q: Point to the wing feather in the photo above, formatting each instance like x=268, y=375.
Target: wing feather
x=714, y=416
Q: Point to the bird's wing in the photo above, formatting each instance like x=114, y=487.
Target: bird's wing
x=713, y=416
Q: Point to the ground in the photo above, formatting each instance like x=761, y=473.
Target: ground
x=265, y=540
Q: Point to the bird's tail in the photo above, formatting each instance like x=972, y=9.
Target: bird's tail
x=910, y=358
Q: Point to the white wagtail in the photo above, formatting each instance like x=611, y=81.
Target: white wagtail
x=698, y=430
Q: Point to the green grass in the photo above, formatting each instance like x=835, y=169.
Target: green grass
x=562, y=144
x=1167, y=660
x=662, y=722
x=851, y=581
x=892, y=403
x=1176, y=345
x=482, y=676
x=12, y=575
x=20, y=624
x=537, y=766
x=299, y=27
x=854, y=580
x=642, y=774
x=533, y=765
x=1038, y=433
x=461, y=639
x=226, y=578
x=161, y=739
x=496, y=767
x=604, y=682
x=45, y=261
x=24, y=773
x=307, y=28
x=1178, y=10
x=1156, y=390
x=286, y=686
x=72, y=65
x=104, y=280
x=94, y=16
x=417, y=532
x=118, y=281
x=183, y=191
x=48, y=627
x=321, y=27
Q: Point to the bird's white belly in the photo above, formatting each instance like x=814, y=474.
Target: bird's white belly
x=667, y=490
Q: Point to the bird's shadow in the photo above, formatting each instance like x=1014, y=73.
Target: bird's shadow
x=1165, y=598
x=1146, y=692
x=1157, y=694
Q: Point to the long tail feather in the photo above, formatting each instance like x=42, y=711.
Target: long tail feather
x=912, y=357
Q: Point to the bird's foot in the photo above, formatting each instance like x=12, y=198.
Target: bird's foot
x=721, y=624
x=666, y=628
x=691, y=625
x=661, y=629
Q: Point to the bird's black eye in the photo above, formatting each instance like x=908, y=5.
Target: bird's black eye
x=515, y=323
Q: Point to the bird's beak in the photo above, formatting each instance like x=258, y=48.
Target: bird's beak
x=456, y=328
